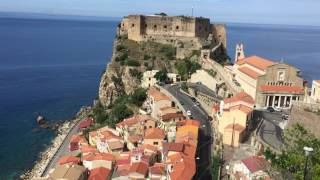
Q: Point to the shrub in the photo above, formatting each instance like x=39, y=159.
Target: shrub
x=186, y=68
x=135, y=73
x=146, y=57
x=132, y=62
x=161, y=75
x=138, y=96
x=120, y=47
x=119, y=112
x=169, y=51
x=122, y=57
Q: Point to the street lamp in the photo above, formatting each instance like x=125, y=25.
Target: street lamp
x=307, y=151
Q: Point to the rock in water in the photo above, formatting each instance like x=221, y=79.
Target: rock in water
x=40, y=120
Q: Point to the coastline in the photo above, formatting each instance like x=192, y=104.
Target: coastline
x=46, y=156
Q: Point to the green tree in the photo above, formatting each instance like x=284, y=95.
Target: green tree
x=119, y=112
x=161, y=75
x=138, y=96
x=292, y=159
x=99, y=113
x=187, y=67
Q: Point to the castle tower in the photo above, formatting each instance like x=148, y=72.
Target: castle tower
x=239, y=52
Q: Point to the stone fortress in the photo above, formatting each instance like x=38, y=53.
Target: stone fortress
x=185, y=33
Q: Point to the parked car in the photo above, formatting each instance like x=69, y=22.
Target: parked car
x=193, y=99
x=197, y=103
x=270, y=109
x=277, y=109
x=189, y=113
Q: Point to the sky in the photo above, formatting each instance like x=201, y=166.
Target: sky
x=291, y=12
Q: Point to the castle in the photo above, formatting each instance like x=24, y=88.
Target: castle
x=185, y=33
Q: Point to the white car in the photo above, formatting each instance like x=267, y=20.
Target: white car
x=189, y=113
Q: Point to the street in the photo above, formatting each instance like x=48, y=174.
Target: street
x=63, y=150
x=205, y=135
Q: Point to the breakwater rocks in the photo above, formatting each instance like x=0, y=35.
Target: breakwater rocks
x=46, y=156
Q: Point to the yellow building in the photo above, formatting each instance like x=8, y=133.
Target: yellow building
x=315, y=90
x=233, y=115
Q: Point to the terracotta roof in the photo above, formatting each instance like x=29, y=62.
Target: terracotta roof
x=255, y=163
x=236, y=127
x=88, y=149
x=189, y=122
x=188, y=133
x=135, y=138
x=189, y=149
x=123, y=158
x=86, y=123
x=167, y=107
x=158, y=168
x=100, y=173
x=317, y=81
x=98, y=156
x=251, y=73
x=286, y=89
x=134, y=120
x=148, y=147
x=242, y=96
x=78, y=139
x=242, y=108
x=140, y=167
x=184, y=169
x=157, y=95
x=68, y=159
x=115, y=145
x=169, y=116
x=216, y=107
x=154, y=133
x=107, y=135
x=257, y=62
x=178, y=147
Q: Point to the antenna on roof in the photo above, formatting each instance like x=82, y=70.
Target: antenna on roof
x=192, y=11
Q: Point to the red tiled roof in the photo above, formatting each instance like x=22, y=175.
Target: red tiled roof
x=135, y=138
x=242, y=96
x=68, y=159
x=189, y=122
x=317, y=81
x=158, y=168
x=169, y=116
x=236, y=127
x=255, y=163
x=154, y=133
x=183, y=169
x=148, y=147
x=177, y=147
x=107, y=135
x=286, y=89
x=157, y=95
x=216, y=107
x=78, y=139
x=133, y=120
x=98, y=156
x=251, y=73
x=257, y=62
x=140, y=167
x=242, y=108
x=100, y=173
x=88, y=149
x=85, y=123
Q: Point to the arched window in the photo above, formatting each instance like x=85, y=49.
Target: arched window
x=177, y=27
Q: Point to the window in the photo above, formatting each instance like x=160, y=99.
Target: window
x=146, y=25
x=177, y=27
x=165, y=26
x=132, y=25
x=281, y=75
x=155, y=143
x=155, y=26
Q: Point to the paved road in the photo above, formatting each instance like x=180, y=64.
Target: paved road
x=64, y=148
x=270, y=132
x=205, y=133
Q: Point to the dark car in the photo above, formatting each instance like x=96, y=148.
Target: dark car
x=270, y=109
x=193, y=99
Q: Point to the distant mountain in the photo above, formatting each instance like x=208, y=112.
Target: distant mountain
x=55, y=16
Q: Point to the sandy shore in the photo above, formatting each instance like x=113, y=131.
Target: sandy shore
x=46, y=156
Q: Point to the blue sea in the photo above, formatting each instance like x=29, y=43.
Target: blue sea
x=53, y=67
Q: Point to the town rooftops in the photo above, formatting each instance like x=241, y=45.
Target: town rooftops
x=98, y=156
x=114, y=145
x=86, y=123
x=157, y=95
x=284, y=89
x=257, y=62
x=67, y=172
x=188, y=133
x=158, y=169
x=242, y=96
x=188, y=122
x=249, y=72
x=78, y=139
x=85, y=149
x=235, y=127
x=255, y=163
x=148, y=148
x=317, y=81
x=169, y=116
x=139, y=167
x=99, y=173
x=184, y=168
x=240, y=107
x=68, y=160
x=154, y=133
x=133, y=120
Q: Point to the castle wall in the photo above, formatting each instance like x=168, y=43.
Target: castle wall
x=219, y=33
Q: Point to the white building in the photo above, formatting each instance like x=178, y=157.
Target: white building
x=148, y=79
x=315, y=91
